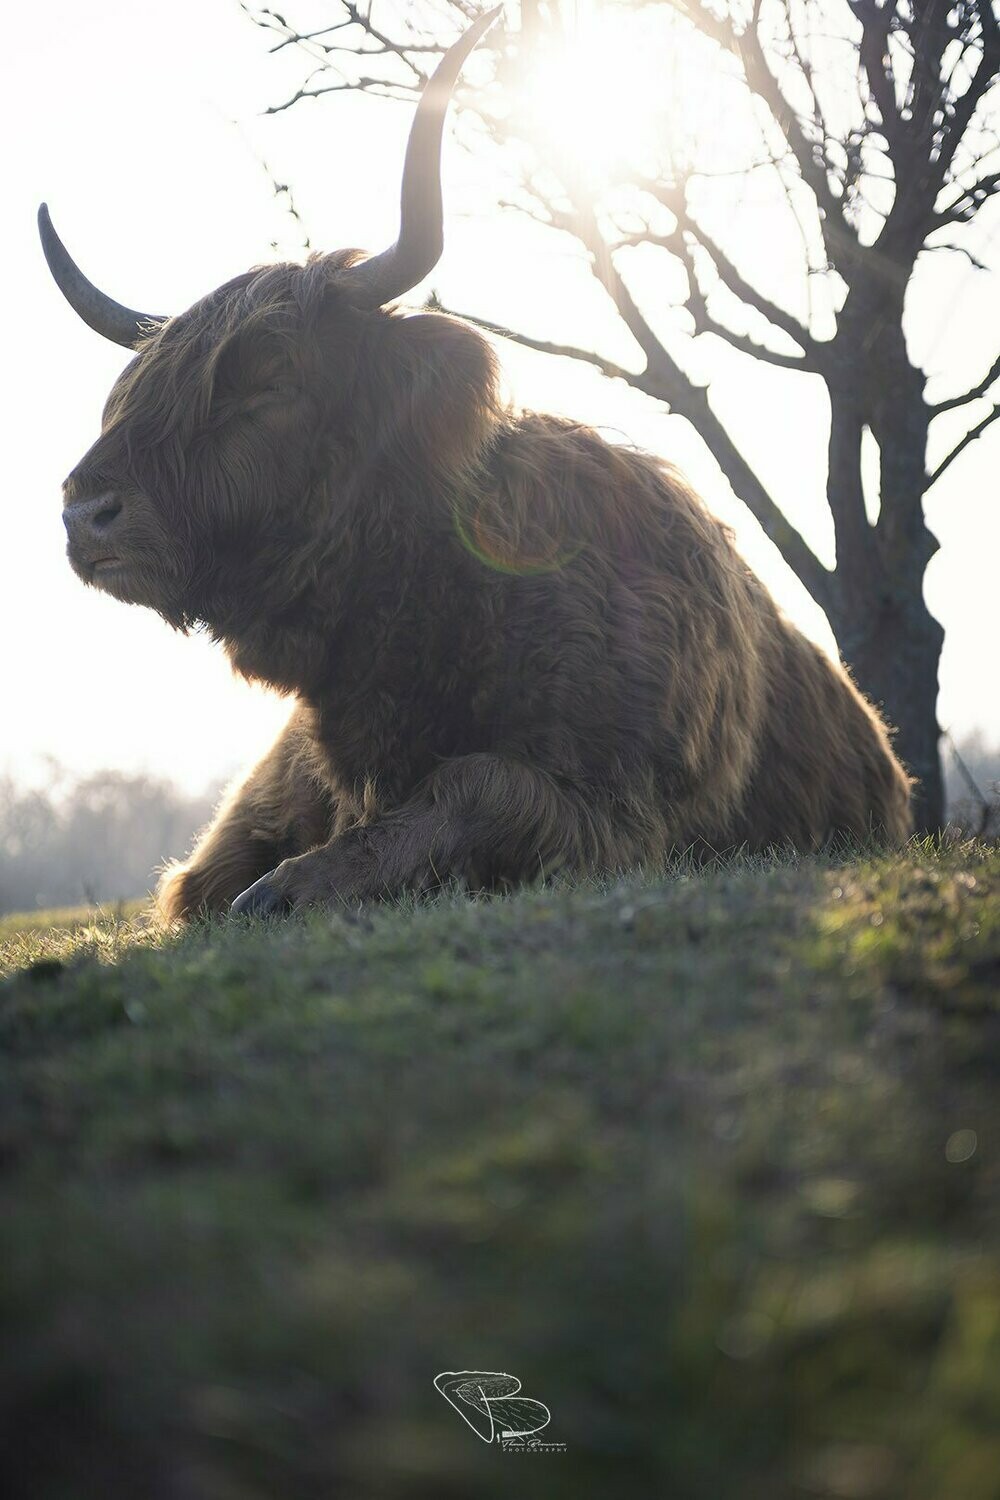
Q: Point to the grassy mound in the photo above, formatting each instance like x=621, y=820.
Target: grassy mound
x=711, y=1163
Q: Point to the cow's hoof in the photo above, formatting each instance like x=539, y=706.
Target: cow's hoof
x=262, y=899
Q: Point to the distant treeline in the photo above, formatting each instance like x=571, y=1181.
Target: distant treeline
x=94, y=838
x=102, y=837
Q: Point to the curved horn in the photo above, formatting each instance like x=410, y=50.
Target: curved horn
x=421, y=235
x=123, y=325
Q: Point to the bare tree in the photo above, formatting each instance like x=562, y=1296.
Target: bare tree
x=892, y=158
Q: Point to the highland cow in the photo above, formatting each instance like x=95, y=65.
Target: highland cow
x=513, y=647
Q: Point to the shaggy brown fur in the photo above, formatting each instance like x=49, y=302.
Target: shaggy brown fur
x=514, y=647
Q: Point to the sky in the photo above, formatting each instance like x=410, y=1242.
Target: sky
x=142, y=126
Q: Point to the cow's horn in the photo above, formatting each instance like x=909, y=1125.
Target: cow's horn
x=421, y=237
x=123, y=325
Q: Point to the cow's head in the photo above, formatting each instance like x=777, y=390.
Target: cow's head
x=238, y=422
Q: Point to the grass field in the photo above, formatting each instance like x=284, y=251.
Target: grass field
x=710, y=1162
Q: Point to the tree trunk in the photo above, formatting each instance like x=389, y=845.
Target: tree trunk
x=893, y=652
x=885, y=632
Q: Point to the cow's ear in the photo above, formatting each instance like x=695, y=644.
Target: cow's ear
x=435, y=401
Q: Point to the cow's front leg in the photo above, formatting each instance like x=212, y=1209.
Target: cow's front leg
x=484, y=819
x=281, y=807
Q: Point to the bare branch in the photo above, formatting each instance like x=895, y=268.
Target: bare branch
x=583, y=223
x=963, y=209
x=376, y=86
x=360, y=23
x=973, y=395
x=295, y=38
x=952, y=249
x=970, y=437
x=876, y=22
x=664, y=379
x=674, y=200
x=697, y=303
x=746, y=345
x=542, y=346
x=966, y=105
x=745, y=46
x=692, y=402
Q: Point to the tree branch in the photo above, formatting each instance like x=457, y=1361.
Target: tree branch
x=970, y=437
x=744, y=344
x=745, y=46
x=965, y=207
x=973, y=395
x=966, y=105
x=697, y=302
x=376, y=86
x=876, y=22
x=691, y=401
x=542, y=346
x=674, y=200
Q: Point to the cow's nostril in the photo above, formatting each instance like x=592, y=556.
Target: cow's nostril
x=108, y=512
x=94, y=516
